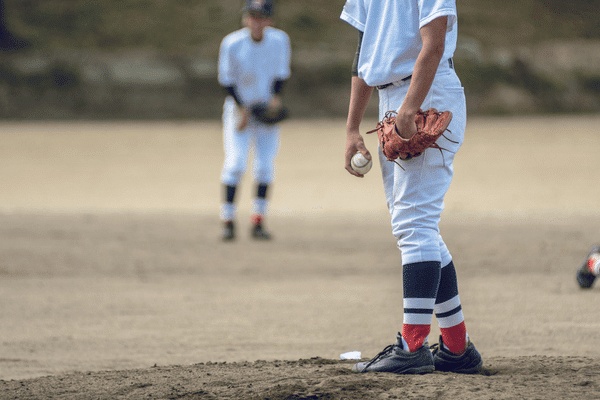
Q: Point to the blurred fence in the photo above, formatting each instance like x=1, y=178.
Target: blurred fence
x=557, y=77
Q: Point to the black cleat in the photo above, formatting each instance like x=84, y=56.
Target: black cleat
x=469, y=362
x=259, y=233
x=229, y=231
x=396, y=360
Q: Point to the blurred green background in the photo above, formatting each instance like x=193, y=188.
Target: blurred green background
x=140, y=59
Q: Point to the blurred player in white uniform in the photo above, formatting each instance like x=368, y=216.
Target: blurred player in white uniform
x=405, y=51
x=254, y=63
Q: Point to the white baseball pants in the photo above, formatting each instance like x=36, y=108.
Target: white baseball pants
x=263, y=139
x=415, y=194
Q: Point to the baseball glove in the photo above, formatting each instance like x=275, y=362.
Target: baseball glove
x=268, y=115
x=431, y=124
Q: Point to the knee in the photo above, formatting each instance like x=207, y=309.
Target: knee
x=232, y=176
x=263, y=173
x=418, y=244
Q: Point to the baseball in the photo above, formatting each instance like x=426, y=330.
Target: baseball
x=360, y=163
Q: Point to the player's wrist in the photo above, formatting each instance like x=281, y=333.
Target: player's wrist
x=352, y=126
x=407, y=113
x=275, y=102
x=353, y=134
x=404, y=135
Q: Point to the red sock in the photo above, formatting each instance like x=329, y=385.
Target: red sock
x=257, y=219
x=415, y=335
x=455, y=338
x=593, y=263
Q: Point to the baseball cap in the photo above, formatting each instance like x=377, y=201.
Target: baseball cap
x=264, y=7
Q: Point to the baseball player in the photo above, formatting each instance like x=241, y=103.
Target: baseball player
x=405, y=51
x=589, y=269
x=254, y=63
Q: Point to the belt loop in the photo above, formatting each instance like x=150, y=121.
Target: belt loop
x=451, y=63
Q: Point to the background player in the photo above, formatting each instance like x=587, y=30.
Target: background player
x=589, y=269
x=405, y=51
x=254, y=63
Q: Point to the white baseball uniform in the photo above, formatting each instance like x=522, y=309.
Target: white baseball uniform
x=252, y=68
x=415, y=188
x=415, y=195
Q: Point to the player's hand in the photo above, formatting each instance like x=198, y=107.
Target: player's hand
x=276, y=103
x=355, y=143
x=244, y=117
x=406, y=128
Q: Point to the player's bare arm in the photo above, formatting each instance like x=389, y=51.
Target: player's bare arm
x=276, y=102
x=433, y=36
x=244, y=118
x=359, y=99
x=243, y=115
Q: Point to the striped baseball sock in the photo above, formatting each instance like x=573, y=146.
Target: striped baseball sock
x=420, y=285
x=260, y=204
x=228, y=207
x=448, y=311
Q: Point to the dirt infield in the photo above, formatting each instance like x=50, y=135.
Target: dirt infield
x=115, y=284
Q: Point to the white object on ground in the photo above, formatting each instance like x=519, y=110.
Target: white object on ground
x=351, y=355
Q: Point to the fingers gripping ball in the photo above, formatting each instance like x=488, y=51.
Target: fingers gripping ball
x=361, y=164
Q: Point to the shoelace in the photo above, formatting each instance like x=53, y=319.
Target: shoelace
x=384, y=352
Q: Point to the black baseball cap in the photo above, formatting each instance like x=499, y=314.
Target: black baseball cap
x=264, y=7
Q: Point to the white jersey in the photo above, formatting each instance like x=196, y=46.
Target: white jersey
x=392, y=39
x=251, y=66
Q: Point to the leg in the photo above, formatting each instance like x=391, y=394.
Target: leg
x=419, y=190
x=455, y=352
x=415, y=196
x=236, y=145
x=228, y=213
x=420, y=286
x=448, y=311
x=266, y=148
x=258, y=231
x=260, y=204
x=411, y=353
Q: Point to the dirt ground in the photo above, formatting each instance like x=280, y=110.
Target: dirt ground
x=114, y=283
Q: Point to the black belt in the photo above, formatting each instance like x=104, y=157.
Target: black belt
x=450, y=64
x=391, y=83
